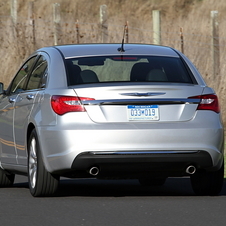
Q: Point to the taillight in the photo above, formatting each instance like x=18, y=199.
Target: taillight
x=64, y=104
x=208, y=102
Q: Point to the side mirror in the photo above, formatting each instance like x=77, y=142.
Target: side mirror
x=1, y=88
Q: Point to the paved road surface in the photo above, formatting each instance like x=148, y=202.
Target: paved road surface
x=112, y=203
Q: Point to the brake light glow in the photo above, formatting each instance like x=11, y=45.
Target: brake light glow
x=65, y=104
x=208, y=102
x=125, y=58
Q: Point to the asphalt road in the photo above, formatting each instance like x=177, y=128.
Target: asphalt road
x=112, y=203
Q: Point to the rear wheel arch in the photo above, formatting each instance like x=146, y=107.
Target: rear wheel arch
x=41, y=182
x=30, y=129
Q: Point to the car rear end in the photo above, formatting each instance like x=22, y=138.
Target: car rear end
x=143, y=112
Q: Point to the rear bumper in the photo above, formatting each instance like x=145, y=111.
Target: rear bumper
x=77, y=145
x=134, y=164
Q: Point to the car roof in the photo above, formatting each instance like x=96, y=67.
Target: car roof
x=82, y=50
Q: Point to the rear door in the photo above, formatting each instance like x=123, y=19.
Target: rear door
x=25, y=103
x=8, y=105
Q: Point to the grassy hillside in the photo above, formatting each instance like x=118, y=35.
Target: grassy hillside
x=192, y=15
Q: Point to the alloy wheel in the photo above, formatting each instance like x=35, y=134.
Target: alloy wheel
x=33, y=163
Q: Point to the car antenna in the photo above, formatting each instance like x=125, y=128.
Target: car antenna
x=121, y=49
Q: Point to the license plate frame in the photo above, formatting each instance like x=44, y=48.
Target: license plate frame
x=142, y=112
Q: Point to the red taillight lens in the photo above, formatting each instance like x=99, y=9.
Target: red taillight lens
x=64, y=104
x=208, y=102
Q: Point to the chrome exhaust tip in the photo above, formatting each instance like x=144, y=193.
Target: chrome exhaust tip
x=190, y=170
x=94, y=171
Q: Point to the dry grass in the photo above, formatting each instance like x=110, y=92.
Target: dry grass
x=192, y=15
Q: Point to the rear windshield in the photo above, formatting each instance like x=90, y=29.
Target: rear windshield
x=127, y=69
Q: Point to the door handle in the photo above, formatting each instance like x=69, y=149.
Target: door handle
x=12, y=99
x=30, y=96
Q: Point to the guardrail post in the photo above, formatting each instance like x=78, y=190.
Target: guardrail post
x=31, y=22
x=127, y=31
x=182, y=39
x=13, y=12
x=56, y=22
x=215, y=49
x=156, y=27
x=104, y=23
x=77, y=31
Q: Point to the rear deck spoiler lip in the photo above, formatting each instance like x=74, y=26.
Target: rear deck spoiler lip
x=147, y=101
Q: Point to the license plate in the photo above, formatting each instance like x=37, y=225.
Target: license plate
x=142, y=112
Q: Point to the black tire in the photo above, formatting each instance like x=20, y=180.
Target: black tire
x=41, y=182
x=6, y=180
x=208, y=183
x=152, y=181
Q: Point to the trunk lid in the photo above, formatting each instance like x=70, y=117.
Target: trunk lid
x=141, y=102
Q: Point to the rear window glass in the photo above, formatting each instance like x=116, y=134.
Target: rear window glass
x=127, y=69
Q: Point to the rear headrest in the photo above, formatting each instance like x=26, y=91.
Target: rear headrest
x=139, y=72
x=89, y=76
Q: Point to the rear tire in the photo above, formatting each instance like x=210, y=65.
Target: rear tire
x=6, y=180
x=208, y=183
x=41, y=182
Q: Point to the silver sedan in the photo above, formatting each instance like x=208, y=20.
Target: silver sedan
x=110, y=111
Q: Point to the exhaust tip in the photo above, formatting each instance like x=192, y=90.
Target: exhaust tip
x=190, y=170
x=94, y=171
